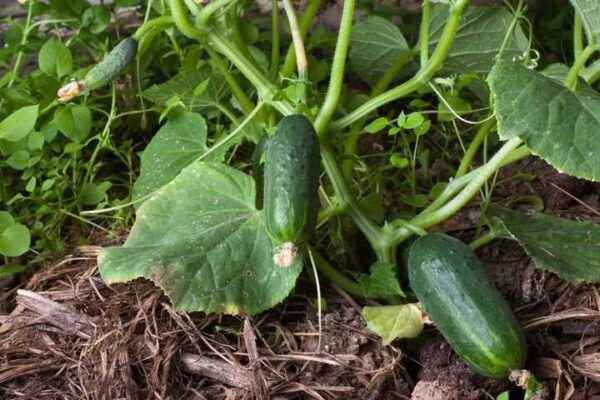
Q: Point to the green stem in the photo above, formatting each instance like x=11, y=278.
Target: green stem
x=208, y=10
x=347, y=201
x=483, y=240
x=335, y=276
x=193, y=7
x=577, y=35
x=306, y=21
x=20, y=54
x=476, y=179
x=301, y=61
x=155, y=24
x=422, y=77
x=392, y=72
x=571, y=80
x=180, y=18
x=382, y=84
x=337, y=69
x=482, y=133
x=424, y=32
x=275, y=39
x=103, y=136
x=234, y=85
x=592, y=73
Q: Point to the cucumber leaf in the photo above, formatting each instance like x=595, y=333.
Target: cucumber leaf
x=558, y=125
x=479, y=39
x=589, y=11
x=394, y=322
x=376, y=44
x=571, y=249
x=175, y=146
x=382, y=282
x=183, y=86
x=201, y=239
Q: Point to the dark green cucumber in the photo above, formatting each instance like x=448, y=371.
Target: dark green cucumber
x=111, y=65
x=291, y=183
x=453, y=288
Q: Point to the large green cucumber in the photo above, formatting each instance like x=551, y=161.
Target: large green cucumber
x=111, y=65
x=452, y=285
x=291, y=183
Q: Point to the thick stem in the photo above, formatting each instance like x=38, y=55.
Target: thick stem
x=337, y=69
x=180, y=17
x=424, y=32
x=483, y=240
x=306, y=21
x=422, y=77
x=335, y=276
x=436, y=213
x=275, y=39
x=301, y=61
x=482, y=133
x=234, y=85
x=571, y=80
x=155, y=24
x=346, y=200
x=208, y=10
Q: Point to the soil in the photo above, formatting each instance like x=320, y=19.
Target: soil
x=66, y=335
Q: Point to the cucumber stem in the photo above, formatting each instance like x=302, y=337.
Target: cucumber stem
x=337, y=69
x=335, y=276
x=482, y=133
x=306, y=21
x=580, y=61
x=275, y=39
x=301, y=61
x=422, y=77
x=424, y=32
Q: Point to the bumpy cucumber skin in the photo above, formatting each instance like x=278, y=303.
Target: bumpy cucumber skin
x=291, y=181
x=111, y=65
x=451, y=284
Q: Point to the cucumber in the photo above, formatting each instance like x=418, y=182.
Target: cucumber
x=291, y=183
x=452, y=286
x=111, y=65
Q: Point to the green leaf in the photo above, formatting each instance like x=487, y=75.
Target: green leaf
x=394, y=322
x=399, y=161
x=6, y=220
x=201, y=239
x=183, y=86
x=15, y=240
x=96, y=18
x=589, y=11
x=568, y=248
x=558, y=125
x=503, y=396
x=19, y=160
x=377, y=125
x=479, y=39
x=92, y=194
x=382, y=282
x=175, y=146
x=18, y=124
x=6, y=271
x=412, y=120
x=55, y=58
x=74, y=121
x=376, y=44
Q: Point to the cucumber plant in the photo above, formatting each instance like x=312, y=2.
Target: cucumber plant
x=201, y=237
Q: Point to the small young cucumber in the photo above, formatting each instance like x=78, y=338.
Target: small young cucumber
x=452, y=286
x=291, y=183
x=111, y=65
x=102, y=73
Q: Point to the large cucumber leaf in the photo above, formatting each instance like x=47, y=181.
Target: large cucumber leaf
x=183, y=86
x=201, y=239
x=175, y=146
x=376, y=44
x=568, y=248
x=479, y=39
x=560, y=126
x=589, y=11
